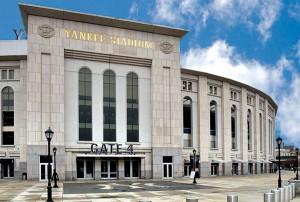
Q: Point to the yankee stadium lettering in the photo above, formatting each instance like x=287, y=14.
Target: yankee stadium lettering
x=102, y=38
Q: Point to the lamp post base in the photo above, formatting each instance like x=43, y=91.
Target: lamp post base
x=279, y=183
x=49, y=189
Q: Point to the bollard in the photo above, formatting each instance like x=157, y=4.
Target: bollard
x=286, y=193
x=291, y=191
x=232, y=198
x=191, y=200
x=269, y=197
x=277, y=195
x=294, y=189
x=282, y=194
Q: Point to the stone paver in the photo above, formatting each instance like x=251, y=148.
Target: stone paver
x=249, y=188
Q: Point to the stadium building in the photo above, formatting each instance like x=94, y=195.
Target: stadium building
x=120, y=105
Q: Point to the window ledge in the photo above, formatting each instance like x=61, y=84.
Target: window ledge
x=8, y=145
x=214, y=148
x=133, y=143
x=7, y=80
x=234, y=149
x=107, y=142
x=85, y=142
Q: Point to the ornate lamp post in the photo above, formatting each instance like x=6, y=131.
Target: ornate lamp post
x=55, y=176
x=49, y=134
x=279, y=141
x=297, y=153
x=194, y=152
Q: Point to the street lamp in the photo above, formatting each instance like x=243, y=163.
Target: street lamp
x=55, y=176
x=297, y=152
x=194, y=152
x=49, y=135
x=279, y=141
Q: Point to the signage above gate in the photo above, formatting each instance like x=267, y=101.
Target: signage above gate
x=111, y=149
x=102, y=38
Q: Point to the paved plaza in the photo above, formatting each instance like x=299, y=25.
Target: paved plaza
x=249, y=188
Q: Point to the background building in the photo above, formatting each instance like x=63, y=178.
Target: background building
x=120, y=106
x=288, y=156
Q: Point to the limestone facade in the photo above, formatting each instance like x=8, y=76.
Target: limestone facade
x=46, y=93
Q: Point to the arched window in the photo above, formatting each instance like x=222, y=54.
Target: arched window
x=249, y=129
x=109, y=106
x=187, y=121
x=233, y=127
x=213, y=124
x=261, y=131
x=132, y=108
x=7, y=116
x=85, y=104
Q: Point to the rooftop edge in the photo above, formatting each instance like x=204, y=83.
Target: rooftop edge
x=29, y=9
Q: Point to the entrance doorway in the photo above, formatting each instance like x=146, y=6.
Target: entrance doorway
x=235, y=169
x=8, y=170
x=214, y=169
x=85, y=168
x=167, y=167
x=43, y=171
x=187, y=169
x=109, y=169
x=250, y=168
x=132, y=168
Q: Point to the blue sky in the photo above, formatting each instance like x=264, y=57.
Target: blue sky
x=256, y=42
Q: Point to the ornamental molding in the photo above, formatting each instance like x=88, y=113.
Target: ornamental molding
x=166, y=47
x=46, y=31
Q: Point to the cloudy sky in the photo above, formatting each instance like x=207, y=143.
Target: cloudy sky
x=256, y=42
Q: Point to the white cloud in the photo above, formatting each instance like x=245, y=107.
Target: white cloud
x=269, y=12
x=224, y=10
x=221, y=59
x=229, y=12
x=294, y=10
x=167, y=10
x=280, y=81
x=236, y=11
x=189, y=7
x=289, y=115
x=133, y=10
x=298, y=50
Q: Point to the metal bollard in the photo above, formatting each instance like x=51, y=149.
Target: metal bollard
x=294, y=189
x=277, y=195
x=268, y=197
x=286, y=193
x=191, y=200
x=232, y=198
x=291, y=191
x=282, y=194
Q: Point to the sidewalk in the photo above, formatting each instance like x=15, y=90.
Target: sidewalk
x=249, y=188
